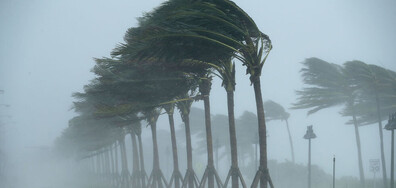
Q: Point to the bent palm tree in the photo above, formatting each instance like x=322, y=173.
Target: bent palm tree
x=184, y=106
x=275, y=111
x=374, y=83
x=213, y=28
x=210, y=172
x=329, y=87
x=176, y=177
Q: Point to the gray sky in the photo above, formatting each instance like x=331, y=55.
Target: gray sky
x=46, y=51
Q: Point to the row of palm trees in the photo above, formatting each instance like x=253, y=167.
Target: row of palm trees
x=366, y=92
x=168, y=62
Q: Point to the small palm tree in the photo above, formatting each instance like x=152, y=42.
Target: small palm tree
x=275, y=111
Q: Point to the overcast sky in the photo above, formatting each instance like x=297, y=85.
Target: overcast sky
x=47, y=49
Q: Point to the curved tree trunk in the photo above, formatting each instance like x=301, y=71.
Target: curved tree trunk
x=359, y=149
x=209, y=141
x=142, y=169
x=233, y=139
x=262, y=129
x=384, y=177
x=112, y=165
x=174, y=150
x=290, y=140
x=124, y=163
x=135, y=162
x=155, y=146
x=116, y=159
x=210, y=172
x=156, y=165
x=189, y=151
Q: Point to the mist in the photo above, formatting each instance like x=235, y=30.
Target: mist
x=47, y=51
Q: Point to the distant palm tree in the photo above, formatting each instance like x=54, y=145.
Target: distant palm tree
x=275, y=111
x=328, y=86
x=374, y=83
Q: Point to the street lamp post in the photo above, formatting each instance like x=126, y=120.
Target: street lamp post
x=391, y=126
x=309, y=135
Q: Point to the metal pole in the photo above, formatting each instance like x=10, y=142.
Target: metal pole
x=393, y=159
x=309, y=163
x=334, y=172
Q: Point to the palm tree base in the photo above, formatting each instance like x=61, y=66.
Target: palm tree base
x=135, y=179
x=190, y=176
x=261, y=174
x=157, y=179
x=210, y=171
x=177, y=178
x=235, y=171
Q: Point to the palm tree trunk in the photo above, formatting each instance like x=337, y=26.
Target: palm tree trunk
x=361, y=171
x=116, y=158
x=155, y=146
x=136, y=168
x=174, y=149
x=112, y=164
x=233, y=139
x=262, y=129
x=209, y=140
x=142, y=169
x=124, y=163
x=189, y=150
x=384, y=177
x=107, y=158
x=98, y=169
x=290, y=140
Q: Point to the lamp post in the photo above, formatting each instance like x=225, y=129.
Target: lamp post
x=309, y=135
x=391, y=126
x=334, y=160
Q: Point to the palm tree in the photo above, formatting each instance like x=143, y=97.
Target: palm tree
x=226, y=71
x=176, y=177
x=275, y=111
x=184, y=106
x=374, y=83
x=210, y=171
x=329, y=86
x=248, y=136
x=136, y=179
x=188, y=29
x=239, y=36
x=156, y=178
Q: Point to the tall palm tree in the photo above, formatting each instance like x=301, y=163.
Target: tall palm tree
x=136, y=180
x=226, y=71
x=374, y=83
x=156, y=178
x=328, y=86
x=248, y=137
x=184, y=106
x=176, y=177
x=210, y=172
x=275, y=111
x=188, y=29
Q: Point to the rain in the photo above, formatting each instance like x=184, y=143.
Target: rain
x=208, y=93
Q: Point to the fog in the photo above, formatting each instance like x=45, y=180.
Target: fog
x=47, y=50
